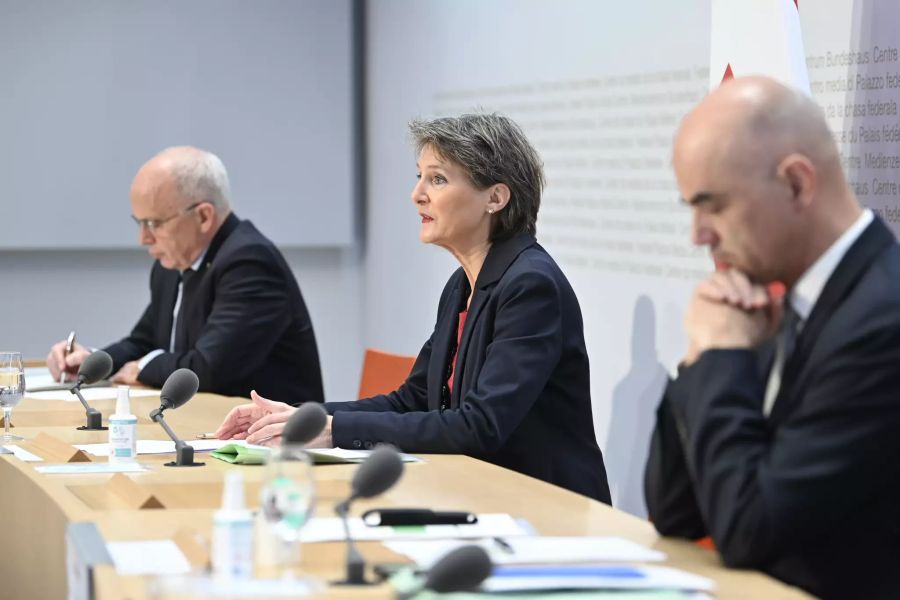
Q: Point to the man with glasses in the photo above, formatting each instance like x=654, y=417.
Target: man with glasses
x=224, y=302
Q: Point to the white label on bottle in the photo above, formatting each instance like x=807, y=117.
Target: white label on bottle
x=122, y=439
x=232, y=550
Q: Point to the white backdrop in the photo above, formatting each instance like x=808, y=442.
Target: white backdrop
x=599, y=88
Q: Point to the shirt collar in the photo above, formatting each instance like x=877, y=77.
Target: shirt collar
x=198, y=262
x=809, y=287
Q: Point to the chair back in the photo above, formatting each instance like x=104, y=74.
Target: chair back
x=383, y=372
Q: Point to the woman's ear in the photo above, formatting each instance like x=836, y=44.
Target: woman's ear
x=498, y=197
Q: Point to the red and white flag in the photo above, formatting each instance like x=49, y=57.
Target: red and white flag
x=757, y=37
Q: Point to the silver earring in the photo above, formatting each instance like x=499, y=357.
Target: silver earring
x=490, y=211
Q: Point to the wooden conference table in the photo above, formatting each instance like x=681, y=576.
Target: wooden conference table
x=36, y=508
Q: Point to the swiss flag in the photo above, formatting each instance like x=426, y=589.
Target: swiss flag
x=757, y=37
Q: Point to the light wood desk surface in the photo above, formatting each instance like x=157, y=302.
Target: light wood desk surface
x=38, y=507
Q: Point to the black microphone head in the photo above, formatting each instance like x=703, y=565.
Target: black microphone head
x=98, y=365
x=377, y=473
x=459, y=570
x=180, y=387
x=305, y=424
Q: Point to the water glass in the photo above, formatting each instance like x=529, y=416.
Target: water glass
x=12, y=389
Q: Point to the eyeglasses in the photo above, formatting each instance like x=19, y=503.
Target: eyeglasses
x=154, y=224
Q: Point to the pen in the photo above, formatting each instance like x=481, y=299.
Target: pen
x=504, y=545
x=393, y=517
x=70, y=345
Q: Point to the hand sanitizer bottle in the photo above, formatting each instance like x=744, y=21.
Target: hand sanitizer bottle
x=232, y=544
x=122, y=430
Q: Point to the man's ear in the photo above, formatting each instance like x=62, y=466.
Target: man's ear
x=799, y=174
x=207, y=214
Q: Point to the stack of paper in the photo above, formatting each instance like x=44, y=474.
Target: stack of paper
x=518, y=578
x=562, y=564
x=533, y=550
x=153, y=446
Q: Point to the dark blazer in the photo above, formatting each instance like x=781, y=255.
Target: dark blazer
x=246, y=325
x=808, y=495
x=521, y=394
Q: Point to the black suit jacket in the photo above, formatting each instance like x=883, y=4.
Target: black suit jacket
x=521, y=394
x=246, y=324
x=808, y=495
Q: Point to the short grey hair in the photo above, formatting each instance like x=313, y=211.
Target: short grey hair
x=492, y=149
x=200, y=176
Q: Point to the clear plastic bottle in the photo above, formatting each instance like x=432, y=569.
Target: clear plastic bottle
x=123, y=430
x=232, y=544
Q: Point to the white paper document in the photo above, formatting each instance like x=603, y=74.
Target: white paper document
x=519, y=578
x=340, y=455
x=155, y=446
x=90, y=394
x=23, y=454
x=330, y=529
x=190, y=586
x=39, y=377
x=91, y=467
x=533, y=550
x=149, y=557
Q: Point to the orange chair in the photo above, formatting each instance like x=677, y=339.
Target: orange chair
x=383, y=372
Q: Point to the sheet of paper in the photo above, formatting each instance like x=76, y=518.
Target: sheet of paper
x=154, y=446
x=97, y=393
x=38, y=377
x=148, y=557
x=23, y=454
x=518, y=578
x=534, y=550
x=341, y=455
x=95, y=467
x=329, y=529
x=210, y=587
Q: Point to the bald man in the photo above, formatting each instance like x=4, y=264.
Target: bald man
x=223, y=301
x=780, y=436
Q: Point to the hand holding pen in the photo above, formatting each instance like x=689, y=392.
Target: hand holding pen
x=67, y=350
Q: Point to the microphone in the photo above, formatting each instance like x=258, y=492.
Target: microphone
x=381, y=470
x=305, y=424
x=180, y=387
x=98, y=365
x=461, y=569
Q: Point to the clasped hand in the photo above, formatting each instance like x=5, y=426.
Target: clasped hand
x=729, y=311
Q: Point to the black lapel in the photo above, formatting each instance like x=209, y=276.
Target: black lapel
x=230, y=224
x=500, y=256
x=168, y=294
x=191, y=311
x=873, y=241
x=444, y=340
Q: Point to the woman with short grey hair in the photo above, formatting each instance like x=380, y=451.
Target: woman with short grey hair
x=504, y=376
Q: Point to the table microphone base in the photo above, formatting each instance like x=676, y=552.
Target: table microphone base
x=184, y=456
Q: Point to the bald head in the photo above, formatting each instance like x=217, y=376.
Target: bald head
x=759, y=166
x=183, y=194
x=197, y=176
x=748, y=122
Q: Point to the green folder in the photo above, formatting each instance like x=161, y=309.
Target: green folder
x=239, y=454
